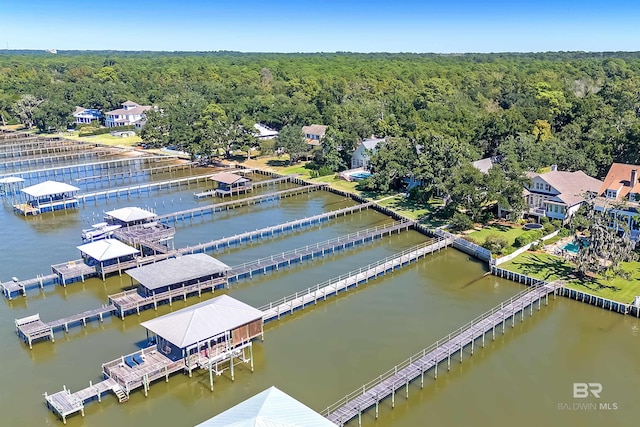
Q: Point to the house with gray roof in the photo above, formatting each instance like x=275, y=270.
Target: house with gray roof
x=129, y=115
x=361, y=156
x=558, y=194
x=314, y=133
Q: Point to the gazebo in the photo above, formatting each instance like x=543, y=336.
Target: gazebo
x=107, y=255
x=269, y=408
x=10, y=185
x=48, y=196
x=230, y=183
x=128, y=216
x=174, y=273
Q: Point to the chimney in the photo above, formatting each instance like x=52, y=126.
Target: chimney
x=554, y=168
x=634, y=177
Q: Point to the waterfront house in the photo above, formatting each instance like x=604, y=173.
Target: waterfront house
x=361, y=156
x=558, y=194
x=314, y=134
x=230, y=183
x=213, y=327
x=48, y=196
x=619, y=195
x=86, y=115
x=271, y=407
x=107, y=255
x=129, y=115
x=175, y=273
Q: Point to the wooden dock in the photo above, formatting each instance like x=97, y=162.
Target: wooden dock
x=371, y=394
x=247, y=201
x=56, y=147
x=27, y=162
x=130, y=175
x=298, y=301
x=255, y=184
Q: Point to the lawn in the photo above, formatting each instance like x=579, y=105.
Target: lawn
x=508, y=232
x=411, y=209
x=549, y=267
x=106, y=139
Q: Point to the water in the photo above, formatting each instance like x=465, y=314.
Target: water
x=325, y=351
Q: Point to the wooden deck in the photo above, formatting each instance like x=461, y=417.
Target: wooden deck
x=31, y=328
x=256, y=184
x=288, y=305
x=43, y=150
x=247, y=201
x=26, y=209
x=29, y=162
x=371, y=394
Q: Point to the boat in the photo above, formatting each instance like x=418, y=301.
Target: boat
x=102, y=230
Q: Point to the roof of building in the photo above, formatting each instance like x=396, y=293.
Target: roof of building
x=138, y=109
x=372, y=143
x=619, y=178
x=177, y=270
x=11, y=180
x=128, y=103
x=572, y=186
x=130, y=214
x=483, y=165
x=264, y=131
x=228, y=178
x=49, y=188
x=104, y=250
x=269, y=408
x=94, y=112
x=203, y=321
x=319, y=130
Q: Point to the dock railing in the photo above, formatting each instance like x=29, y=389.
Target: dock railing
x=328, y=243
x=391, y=372
x=353, y=273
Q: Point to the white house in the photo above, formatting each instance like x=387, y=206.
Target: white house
x=86, y=115
x=360, y=157
x=558, y=194
x=314, y=133
x=619, y=195
x=130, y=114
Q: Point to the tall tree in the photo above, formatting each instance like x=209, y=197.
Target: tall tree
x=26, y=108
x=292, y=141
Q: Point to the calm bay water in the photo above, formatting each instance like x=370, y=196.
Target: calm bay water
x=323, y=352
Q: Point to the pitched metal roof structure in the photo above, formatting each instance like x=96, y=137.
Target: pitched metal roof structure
x=130, y=214
x=228, y=178
x=104, y=250
x=49, y=188
x=202, y=321
x=270, y=408
x=177, y=270
x=11, y=180
x=372, y=143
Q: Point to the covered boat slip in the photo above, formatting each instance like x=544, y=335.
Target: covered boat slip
x=230, y=183
x=128, y=216
x=46, y=197
x=203, y=336
x=107, y=255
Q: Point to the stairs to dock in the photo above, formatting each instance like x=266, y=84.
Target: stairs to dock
x=120, y=393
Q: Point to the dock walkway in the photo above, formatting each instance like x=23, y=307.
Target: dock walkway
x=371, y=394
x=26, y=163
x=12, y=153
x=288, y=305
x=256, y=184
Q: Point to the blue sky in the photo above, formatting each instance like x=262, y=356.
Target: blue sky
x=446, y=26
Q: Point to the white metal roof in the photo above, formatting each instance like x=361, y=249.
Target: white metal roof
x=177, y=270
x=11, y=180
x=130, y=214
x=49, y=188
x=270, y=408
x=202, y=321
x=104, y=250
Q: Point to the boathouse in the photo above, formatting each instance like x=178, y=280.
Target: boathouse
x=10, y=185
x=212, y=327
x=271, y=407
x=108, y=256
x=129, y=216
x=174, y=273
x=48, y=196
x=230, y=183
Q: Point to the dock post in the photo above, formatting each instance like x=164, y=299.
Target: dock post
x=251, y=356
x=393, y=396
x=210, y=375
x=231, y=367
x=406, y=385
x=377, y=400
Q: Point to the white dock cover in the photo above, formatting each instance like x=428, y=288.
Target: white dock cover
x=130, y=214
x=203, y=321
x=49, y=188
x=270, y=408
x=104, y=250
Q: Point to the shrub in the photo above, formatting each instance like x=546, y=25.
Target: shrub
x=565, y=232
x=548, y=228
x=544, y=220
x=460, y=222
x=495, y=243
x=527, y=237
x=324, y=171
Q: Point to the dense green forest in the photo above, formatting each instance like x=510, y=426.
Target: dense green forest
x=577, y=110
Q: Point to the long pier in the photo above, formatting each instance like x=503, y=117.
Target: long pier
x=28, y=162
x=386, y=385
x=54, y=147
x=298, y=301
x=247, y=201
x=256, y=184
x=127, y=302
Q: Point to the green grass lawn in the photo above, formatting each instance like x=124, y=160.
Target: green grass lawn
x=508, y=232
x=549, y=267
x=106, y=139
x=409, y=208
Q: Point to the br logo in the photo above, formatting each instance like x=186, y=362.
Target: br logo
x=583, y=390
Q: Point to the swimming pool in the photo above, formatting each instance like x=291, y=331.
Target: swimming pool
x=360, y=175
x=575, y=246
